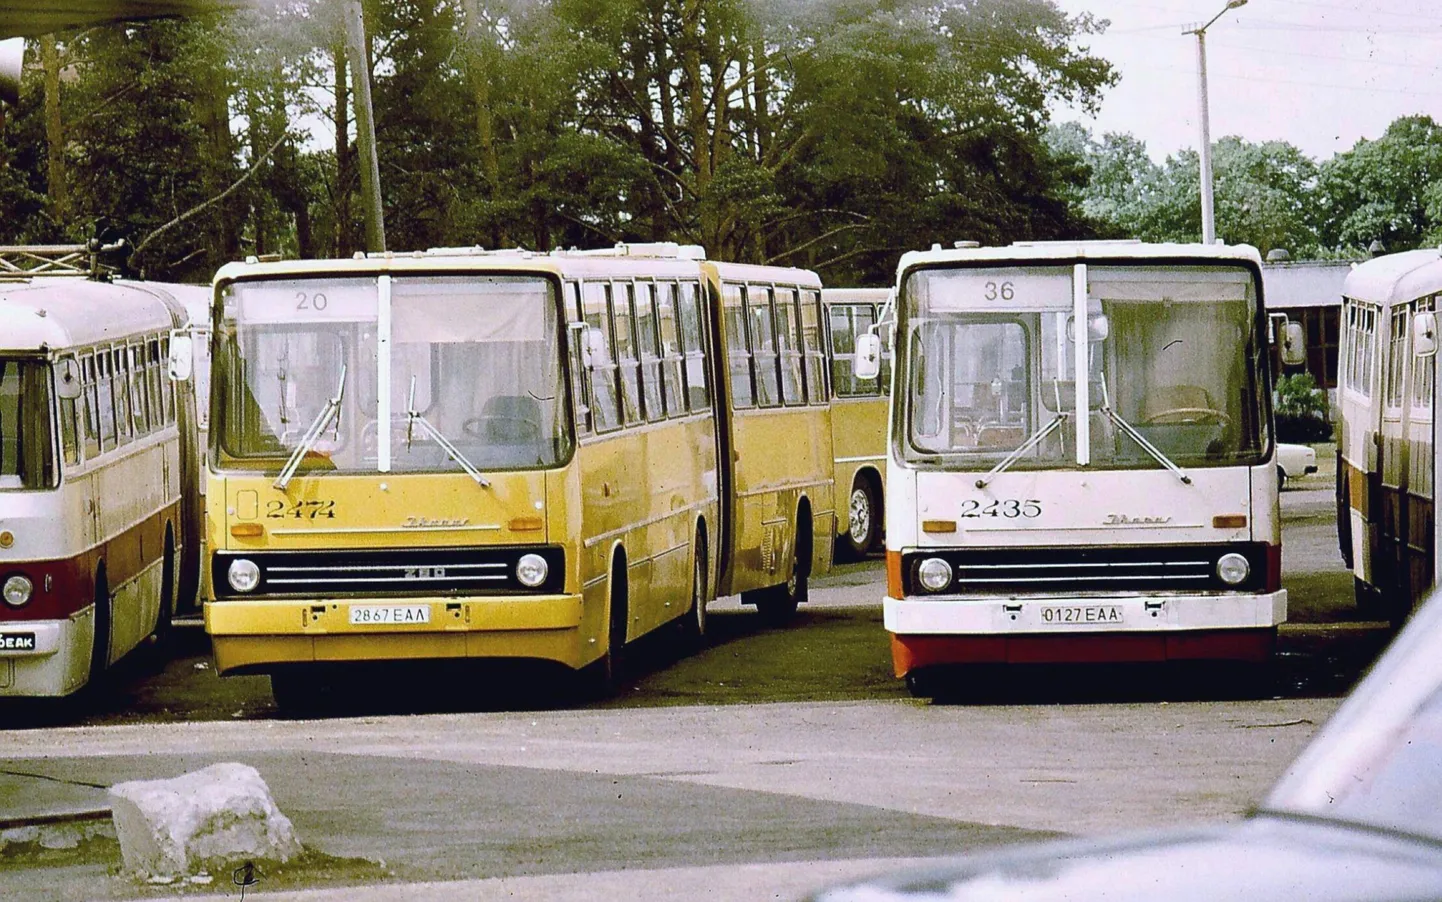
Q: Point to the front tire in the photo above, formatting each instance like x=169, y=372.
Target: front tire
x=777, y=605
x=100, y=645
x=693, y=625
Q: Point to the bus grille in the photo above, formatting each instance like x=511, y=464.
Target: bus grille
x=386, y=572
x=1083, y=570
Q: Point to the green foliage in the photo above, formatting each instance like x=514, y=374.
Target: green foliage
x=829, y=134
x=1301, y=410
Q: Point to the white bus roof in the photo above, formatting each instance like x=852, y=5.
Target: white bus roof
x=1396, y=278
x=663, y=260
x=854, y=295
x=1101, y=251
x=67, y=312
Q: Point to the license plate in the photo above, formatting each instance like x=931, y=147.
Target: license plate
x=389, y=614
x=1081, y=614
x=17, y=641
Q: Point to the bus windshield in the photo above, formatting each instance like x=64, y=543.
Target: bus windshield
x=473, y=358
x=27, y=456
x=1171, y=357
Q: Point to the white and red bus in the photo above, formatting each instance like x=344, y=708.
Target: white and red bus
x=99, y=512
x=1081, y=465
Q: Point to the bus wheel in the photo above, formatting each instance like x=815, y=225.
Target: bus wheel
x=602, y=678
x=693, y=624
x=777, y=605
x=100, y=646
x=299, y=694
x=862, y=523
x=1370, y=604
x=920, y=684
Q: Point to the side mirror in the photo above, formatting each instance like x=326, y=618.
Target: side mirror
x=1294, y=344
x=68, y=384
x=867, y=363
x=1424, y=334
x=1098, y=327
x=182, y=356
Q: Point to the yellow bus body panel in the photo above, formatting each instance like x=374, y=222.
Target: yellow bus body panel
x=782, y=455
x=858, y=437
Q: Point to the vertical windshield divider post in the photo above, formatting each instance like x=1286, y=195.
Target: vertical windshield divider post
x=383, y=374
x=330, y=411
x=1022, y=449
x=1081, y=351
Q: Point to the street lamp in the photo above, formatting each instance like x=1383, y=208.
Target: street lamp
x=1209, y=225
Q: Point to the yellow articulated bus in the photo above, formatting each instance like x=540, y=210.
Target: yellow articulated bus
x=465, y=454
x=858, y=417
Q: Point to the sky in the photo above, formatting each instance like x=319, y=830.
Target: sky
x=1320, y=74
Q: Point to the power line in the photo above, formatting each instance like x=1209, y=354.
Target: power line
x=1290, y=81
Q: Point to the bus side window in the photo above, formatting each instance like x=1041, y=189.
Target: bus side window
x=575, y=338
x=738, y=352
x=120, y=385
x=646, y=345
x=813, y=347
x=104, y=367
x=698, y=391
x=843, y=350
x=154, y=377
x=763, y=345
x=604, y=406
x=788, y=346
x=623, y=296
x=91, y=400
x=139, y=393
x=167, y=388
x=671, y=359
x=883, y=382
x=66, y=411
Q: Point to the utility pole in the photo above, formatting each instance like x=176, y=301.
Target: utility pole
x=370, y=171
x=1209, y=224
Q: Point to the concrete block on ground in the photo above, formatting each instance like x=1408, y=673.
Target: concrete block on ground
x=211, y=818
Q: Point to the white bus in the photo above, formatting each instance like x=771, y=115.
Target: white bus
x=1081, y=465
x=99, y=517
x=1387, y=376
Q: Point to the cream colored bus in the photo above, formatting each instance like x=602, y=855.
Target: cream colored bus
x=1385, y=479
x=858, y=417
x=98, y=513
x=466, y=454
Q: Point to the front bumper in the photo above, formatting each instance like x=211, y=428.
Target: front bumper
x=59, y=662
x=950, y=615
x=253, y=635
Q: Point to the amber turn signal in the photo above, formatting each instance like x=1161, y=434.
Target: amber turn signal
x=526, y=524
x=938, y=526
x=1229, y=521
x=247, y=530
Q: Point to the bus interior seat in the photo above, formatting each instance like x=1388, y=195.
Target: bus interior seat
x=1171, y=398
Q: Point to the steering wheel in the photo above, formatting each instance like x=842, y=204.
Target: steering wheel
x=1190, y=416
x=527, y=430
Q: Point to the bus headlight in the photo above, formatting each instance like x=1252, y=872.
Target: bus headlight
x=17, y=590
x=1233, y=569
x=934, y=573
x=243, y=575
x=532, y=570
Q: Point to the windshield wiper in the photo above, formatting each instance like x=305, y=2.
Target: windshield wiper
x=331, y=411
x=1035, y=439
x=1131, y=432
x=414, y=418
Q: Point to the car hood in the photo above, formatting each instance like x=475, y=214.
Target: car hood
x=1261, y=858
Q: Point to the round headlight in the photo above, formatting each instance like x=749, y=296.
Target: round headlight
x=1233, y=569
x=532, y=570
x=17, y=590
x=934, y=573
x=243, y=575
